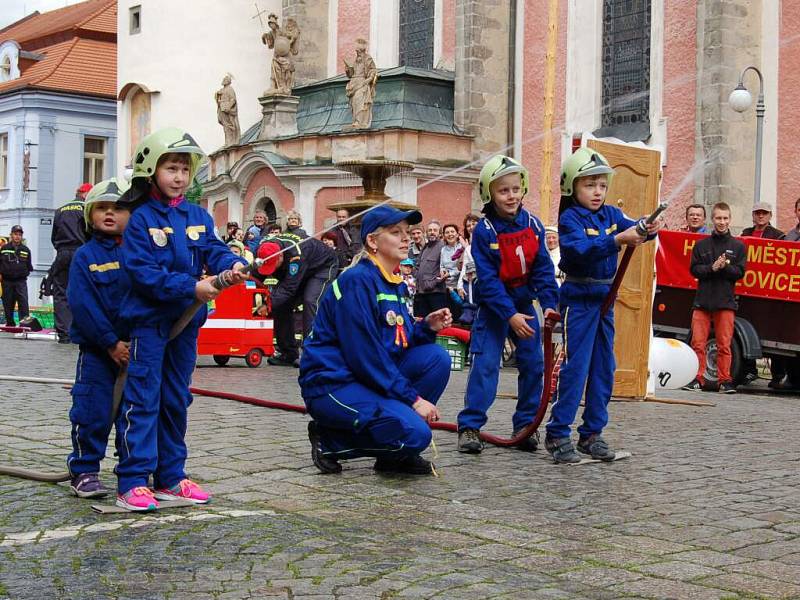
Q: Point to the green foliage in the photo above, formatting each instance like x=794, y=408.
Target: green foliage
x=195, y=192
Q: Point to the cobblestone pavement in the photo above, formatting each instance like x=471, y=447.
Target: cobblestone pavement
x=707, y=507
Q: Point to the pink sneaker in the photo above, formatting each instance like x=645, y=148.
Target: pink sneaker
x=185, y=490
x=138, y=499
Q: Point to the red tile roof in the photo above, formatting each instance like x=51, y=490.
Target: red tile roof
x=98, y=16
x=79, y=47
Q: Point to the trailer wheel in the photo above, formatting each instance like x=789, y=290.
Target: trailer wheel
x=221, y=359
x=254, y=358
x=711, y=376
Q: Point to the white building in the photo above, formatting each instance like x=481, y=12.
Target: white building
x=57, y=117
x=171, y=60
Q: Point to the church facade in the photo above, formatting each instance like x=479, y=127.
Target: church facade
x=463, y=79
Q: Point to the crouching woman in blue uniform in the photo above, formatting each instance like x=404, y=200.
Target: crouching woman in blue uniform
x=369, y=374
x=591, y=234
x=96, y=287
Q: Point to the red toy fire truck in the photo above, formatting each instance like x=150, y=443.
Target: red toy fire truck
x=234, y=328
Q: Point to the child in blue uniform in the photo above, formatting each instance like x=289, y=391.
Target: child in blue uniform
x=591, y=234
x=97, y=285
x=369, y=374
x=513, y=269
x=168, y=245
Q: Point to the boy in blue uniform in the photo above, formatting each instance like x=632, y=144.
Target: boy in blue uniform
x=96, y=287
x=591, y=234
x=168, y=245
x=370, y=375
x=514, y=268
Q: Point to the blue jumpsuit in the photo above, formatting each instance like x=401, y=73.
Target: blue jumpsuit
x=364, y=365
x=513, y=268
x=589, y=259
x=96, y=287
x=165, y=252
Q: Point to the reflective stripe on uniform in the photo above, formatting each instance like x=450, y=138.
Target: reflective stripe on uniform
x=109, y=266
x=336, y=291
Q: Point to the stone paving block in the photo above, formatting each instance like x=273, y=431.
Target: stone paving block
x=666, y=589
x=742, y=539
x=619, y=557
x=770, y=550
x=493, y=551
x=599, y=576
x=647, y=545
x=710, y=558
x=769, y=569
x=790, y=559
x=790, y=528
x=675, y=569
x=760, y=586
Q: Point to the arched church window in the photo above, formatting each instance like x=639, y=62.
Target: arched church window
x=626, y=69
x=416, y=33
x=268, y=206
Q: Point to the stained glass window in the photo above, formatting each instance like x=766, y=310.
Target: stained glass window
x=626, y=69
x=416, y=33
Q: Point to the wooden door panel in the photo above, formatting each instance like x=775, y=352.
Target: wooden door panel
x=634, y=189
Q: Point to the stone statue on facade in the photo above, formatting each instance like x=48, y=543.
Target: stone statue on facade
x=285, y=44
x=363, y=75
x=228, y=111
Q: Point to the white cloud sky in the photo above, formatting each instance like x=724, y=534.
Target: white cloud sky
x=14, y=10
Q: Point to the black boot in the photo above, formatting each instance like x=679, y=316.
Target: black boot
x=415, y=465
x=325, y=464
x=279, y=360
x=530, y=443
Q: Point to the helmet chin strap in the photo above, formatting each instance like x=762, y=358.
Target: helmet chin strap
x=154, y=187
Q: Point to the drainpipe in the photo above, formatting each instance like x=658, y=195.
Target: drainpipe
x=512, y=68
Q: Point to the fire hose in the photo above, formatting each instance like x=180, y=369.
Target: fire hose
x=523, y=434
x=641, y=229
x=222, y=281
x=299, y=408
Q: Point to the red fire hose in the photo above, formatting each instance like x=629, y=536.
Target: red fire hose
x=523, y=434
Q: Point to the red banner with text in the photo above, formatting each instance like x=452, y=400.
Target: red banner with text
x=773, y=267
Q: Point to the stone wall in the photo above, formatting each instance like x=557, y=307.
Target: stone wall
x=729, y=39
x=482, y=78
x=311, y=64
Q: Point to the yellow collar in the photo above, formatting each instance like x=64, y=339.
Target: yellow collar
x=390, y=277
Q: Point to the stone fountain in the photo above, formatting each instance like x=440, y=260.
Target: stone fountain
x=374, y=174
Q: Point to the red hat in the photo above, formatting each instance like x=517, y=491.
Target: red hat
x=85, y=187
x=270, y=251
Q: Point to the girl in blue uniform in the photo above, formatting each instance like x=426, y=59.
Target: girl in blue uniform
x=168, y=245
x=591, y=234
x=97, y=285
x=370, y=375
x=514, y=268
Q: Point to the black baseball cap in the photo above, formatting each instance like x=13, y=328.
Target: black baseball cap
x=16, y=228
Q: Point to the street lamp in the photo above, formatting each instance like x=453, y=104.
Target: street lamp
x=740, y=100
